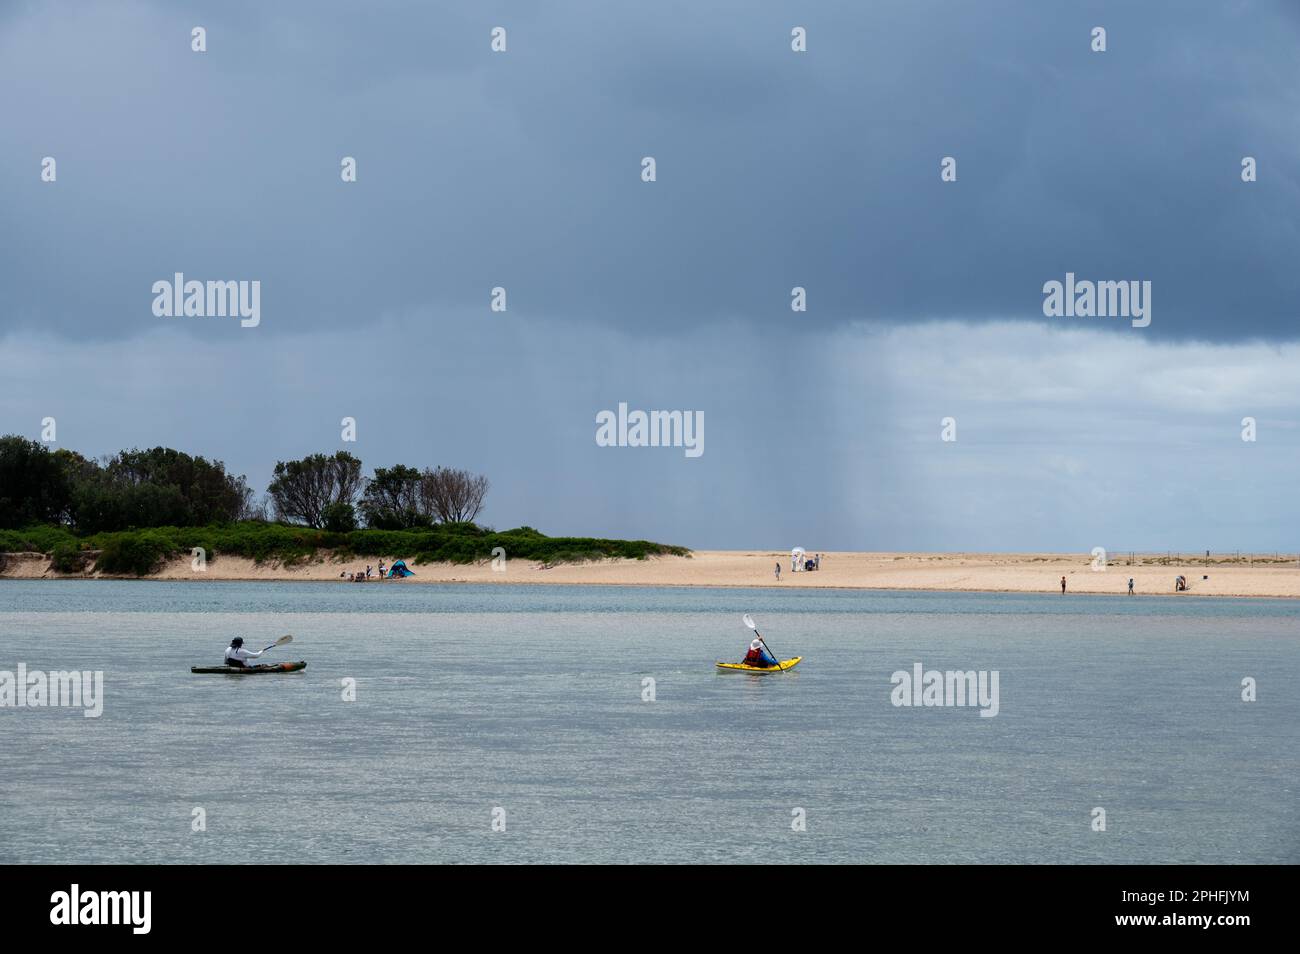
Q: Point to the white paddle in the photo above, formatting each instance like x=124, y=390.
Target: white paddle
x=288, y=639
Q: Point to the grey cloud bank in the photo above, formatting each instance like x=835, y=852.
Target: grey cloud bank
x=819, y=169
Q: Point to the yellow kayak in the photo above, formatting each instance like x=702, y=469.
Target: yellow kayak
x=741, y=667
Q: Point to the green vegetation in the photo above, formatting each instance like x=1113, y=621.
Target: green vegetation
x=138, y=508
x=133, y=488
x=68, y=558
x=139, y=552
x=37, y=539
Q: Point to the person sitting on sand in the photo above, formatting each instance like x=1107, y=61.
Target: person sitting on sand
x=238, y=656
x=759, y=656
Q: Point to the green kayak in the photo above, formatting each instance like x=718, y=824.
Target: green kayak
x=251, y=670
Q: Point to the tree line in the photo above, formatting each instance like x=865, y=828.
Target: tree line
x=329, y=493
x=163, y=487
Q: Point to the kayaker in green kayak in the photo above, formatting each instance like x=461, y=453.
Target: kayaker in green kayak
x=759, y=656
x=238, y=656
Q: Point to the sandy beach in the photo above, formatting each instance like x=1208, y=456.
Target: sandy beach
x=1265, y=575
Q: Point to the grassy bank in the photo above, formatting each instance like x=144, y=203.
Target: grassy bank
x=141, y=552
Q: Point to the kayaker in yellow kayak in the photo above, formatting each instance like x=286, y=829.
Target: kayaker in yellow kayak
x=759, y=656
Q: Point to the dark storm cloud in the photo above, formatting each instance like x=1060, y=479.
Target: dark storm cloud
x=775, y=169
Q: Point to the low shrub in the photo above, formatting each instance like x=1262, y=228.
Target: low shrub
x=133, y=552
x=69, y=558
x=140, y=551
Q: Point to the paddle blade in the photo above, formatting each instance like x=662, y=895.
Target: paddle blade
x=749, y=621
x=282, y=640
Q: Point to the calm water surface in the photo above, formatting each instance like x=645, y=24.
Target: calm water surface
x=470, y=698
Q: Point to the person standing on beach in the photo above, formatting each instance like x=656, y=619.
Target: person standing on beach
x=1062, y=584
x=1130, y=586
x=778, y=571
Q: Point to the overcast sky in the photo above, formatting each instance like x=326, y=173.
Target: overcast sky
x=819, y=169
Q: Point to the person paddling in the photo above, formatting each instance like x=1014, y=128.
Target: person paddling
x=759, y=656
x=237, y=656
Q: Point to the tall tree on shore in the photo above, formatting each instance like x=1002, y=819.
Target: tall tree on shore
x=454, y=495
x=302, y=490
x=210, y=494
x=393, y=500
x=153, y=488
x=34, y=485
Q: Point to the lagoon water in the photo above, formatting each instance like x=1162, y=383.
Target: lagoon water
x=530, y=699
